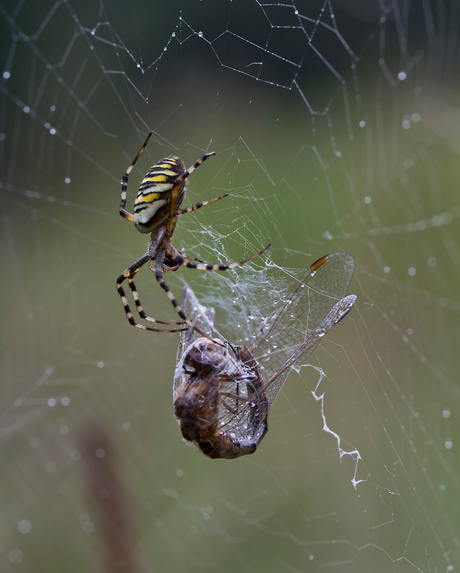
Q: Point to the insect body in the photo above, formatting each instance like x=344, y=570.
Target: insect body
x=222, y=397
x=156, y=210
x=196, y=404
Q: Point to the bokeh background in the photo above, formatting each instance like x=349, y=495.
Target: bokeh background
x=336, y=128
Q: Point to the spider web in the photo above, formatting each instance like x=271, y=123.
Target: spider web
x=336, y=129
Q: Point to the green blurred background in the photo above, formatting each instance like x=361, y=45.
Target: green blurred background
x=336, y=128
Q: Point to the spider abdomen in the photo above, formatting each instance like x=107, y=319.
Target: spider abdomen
x=159, y=195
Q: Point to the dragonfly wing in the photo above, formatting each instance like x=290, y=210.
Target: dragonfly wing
x=338, y=311
x=284, y=336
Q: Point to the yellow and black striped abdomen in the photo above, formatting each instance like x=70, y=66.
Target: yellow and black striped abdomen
x=158, y=190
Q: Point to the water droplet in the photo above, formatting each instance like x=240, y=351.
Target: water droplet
x=24, y=526
x=16, y=556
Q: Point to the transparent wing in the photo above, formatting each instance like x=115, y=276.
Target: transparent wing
x=335, y=315
x=306, y=312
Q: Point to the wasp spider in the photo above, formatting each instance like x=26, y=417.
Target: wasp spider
x=156, y=210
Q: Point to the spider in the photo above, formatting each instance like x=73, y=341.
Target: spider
x=156, y=211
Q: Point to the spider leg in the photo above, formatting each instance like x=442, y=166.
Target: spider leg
x=189, y=257
x=128, y=274
x=140, y=309
x=205, y=267
x=197, y=163
x=199, y=205
x=124, y=184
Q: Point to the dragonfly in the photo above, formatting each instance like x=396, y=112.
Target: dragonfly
x=223, y=392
